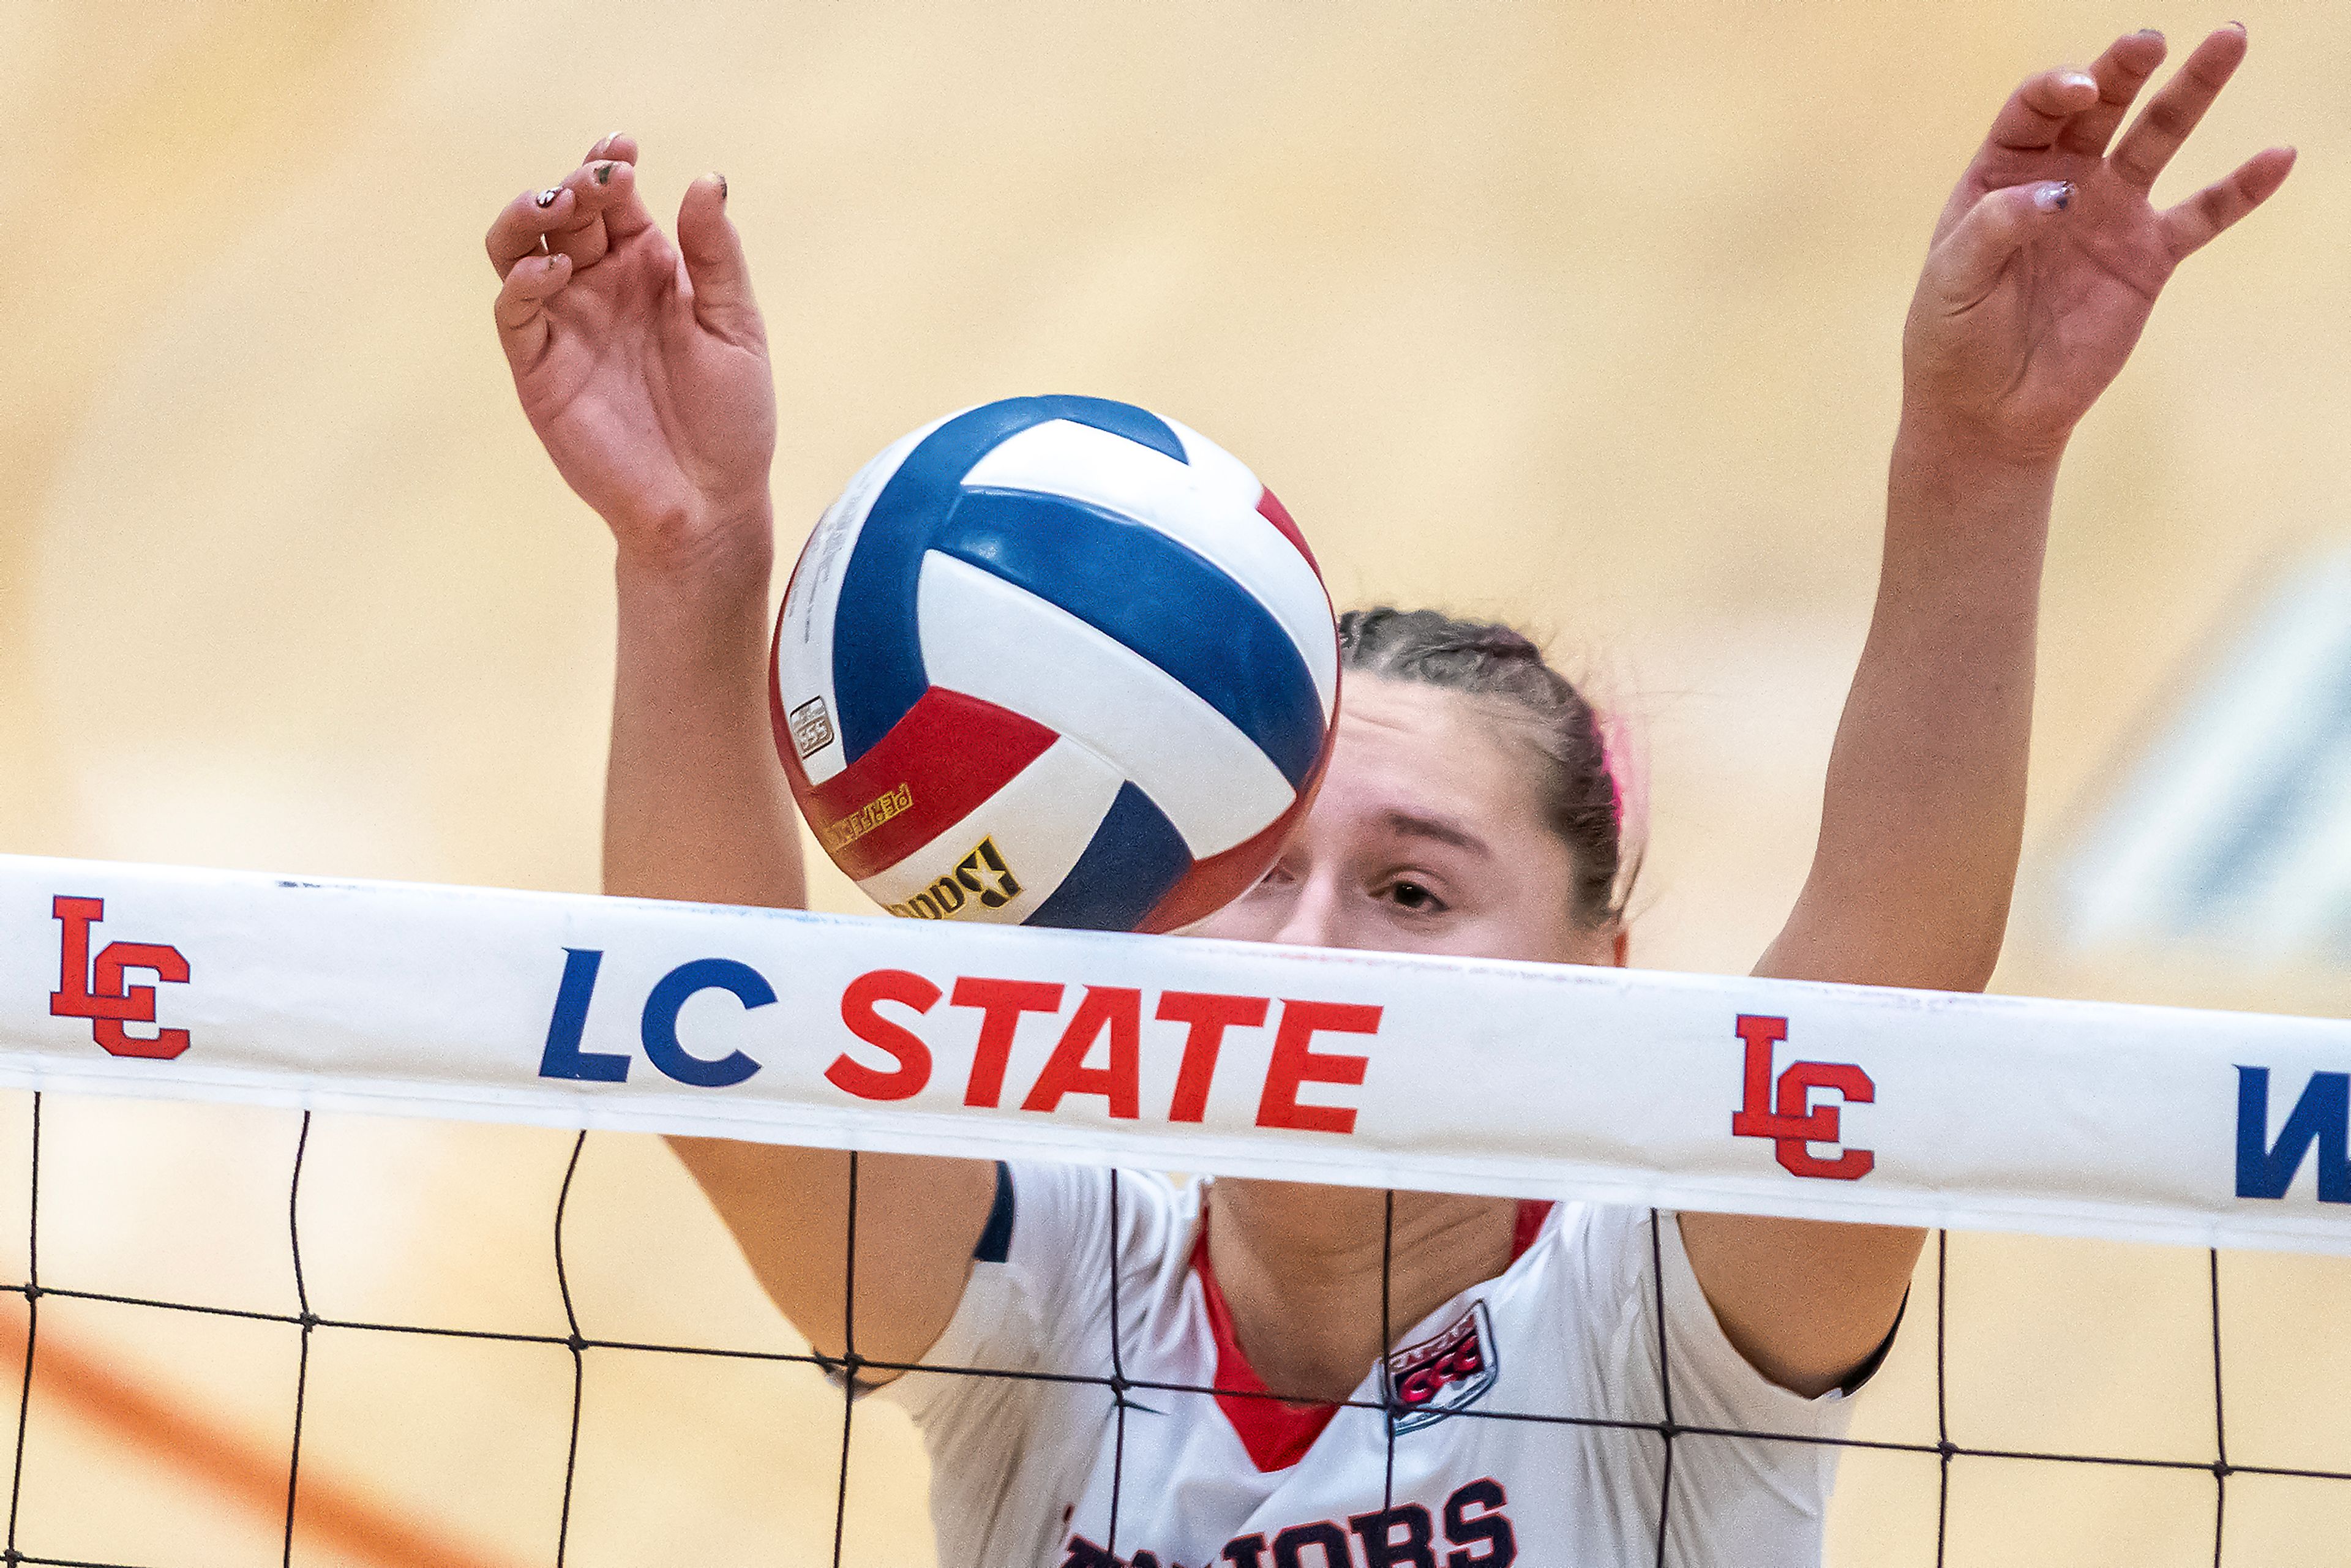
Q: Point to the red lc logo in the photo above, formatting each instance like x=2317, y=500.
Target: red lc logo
x=94, y=990
x=1795, y=1121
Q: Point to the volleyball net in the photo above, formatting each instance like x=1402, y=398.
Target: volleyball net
x=2223, y=1134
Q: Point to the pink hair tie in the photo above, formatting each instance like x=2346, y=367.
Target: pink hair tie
x=1626, y=762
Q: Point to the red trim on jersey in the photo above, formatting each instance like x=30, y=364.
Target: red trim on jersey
x=1275, y=1433
x=1532, y=1212
x=1270, y=509
x=951, y=752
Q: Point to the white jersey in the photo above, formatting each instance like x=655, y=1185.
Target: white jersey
x=1025, y=1469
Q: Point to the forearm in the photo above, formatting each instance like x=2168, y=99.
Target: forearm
x=695, y=804
x=1922, y=817
x=696, y=807
x=918, y=1220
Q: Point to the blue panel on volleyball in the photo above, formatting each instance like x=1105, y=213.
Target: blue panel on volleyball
x=1135, y=859
x=1154, y=595
x=880, y=677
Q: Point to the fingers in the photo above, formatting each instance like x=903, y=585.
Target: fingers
x=2202, y=217
x=597, y=187
x=713, y=263
x=624, y=210
x=2173, y=112
x=596, y=205
x=619, y=145
x=1968, y=260
x=2120, y=73
x=522, y=307
x=521, y=226
x=2037, y=112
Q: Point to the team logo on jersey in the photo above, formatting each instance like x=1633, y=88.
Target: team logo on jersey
x=93, y=989
x=811, y=727
x=1450, y=1371
x=981, y=874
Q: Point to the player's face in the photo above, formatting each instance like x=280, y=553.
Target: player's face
x=1427, y=837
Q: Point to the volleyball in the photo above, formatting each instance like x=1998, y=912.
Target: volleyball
x=1054, y=661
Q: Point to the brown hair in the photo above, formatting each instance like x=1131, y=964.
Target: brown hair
x=1584, y=801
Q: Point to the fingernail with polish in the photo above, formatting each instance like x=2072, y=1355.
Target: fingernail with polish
x=603, y=173
x=722, y=186
x=2055, y=197
x=547, y=198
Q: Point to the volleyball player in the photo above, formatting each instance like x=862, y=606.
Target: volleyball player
x=1470, y=809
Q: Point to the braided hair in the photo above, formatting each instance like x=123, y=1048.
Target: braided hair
x=1585, y=802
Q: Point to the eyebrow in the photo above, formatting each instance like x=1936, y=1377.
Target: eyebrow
x=1413, y=825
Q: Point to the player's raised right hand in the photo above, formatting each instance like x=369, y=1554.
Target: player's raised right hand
x=641, y=365
x=2050, y=254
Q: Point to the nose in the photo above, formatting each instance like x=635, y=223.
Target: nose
x=1313, y=917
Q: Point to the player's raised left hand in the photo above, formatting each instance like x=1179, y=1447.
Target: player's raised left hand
x=2050, y=254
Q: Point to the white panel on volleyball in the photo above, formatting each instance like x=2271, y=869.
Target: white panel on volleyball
x=1041, y=822
x=999, y=642
x=1208, y=505
x=804, y=640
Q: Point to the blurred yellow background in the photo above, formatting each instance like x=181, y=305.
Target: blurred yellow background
x=1583, y=315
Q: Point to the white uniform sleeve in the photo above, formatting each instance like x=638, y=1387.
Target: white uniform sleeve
x=1008, y=1452
x=1727, y=1490
x=1043, y=1306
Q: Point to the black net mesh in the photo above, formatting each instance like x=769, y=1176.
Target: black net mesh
x=848, y=1370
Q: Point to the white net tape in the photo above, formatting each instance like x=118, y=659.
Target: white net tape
x=1636, y=1089
x=1689, y=1091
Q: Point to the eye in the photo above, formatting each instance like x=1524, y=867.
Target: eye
x=1275, y=875
x=1411, y=895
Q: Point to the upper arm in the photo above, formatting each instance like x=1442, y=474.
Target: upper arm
x=1805, y=1301
x=1808, y=1302
x=919, y=1218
